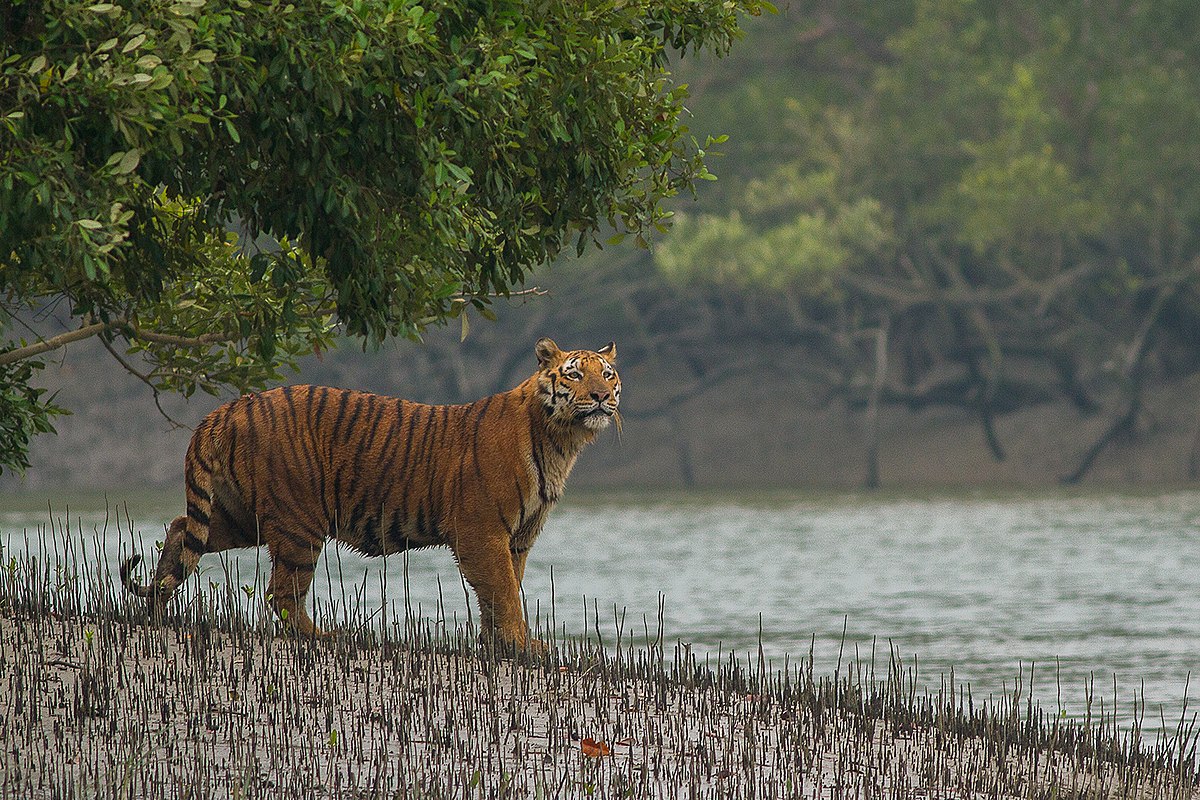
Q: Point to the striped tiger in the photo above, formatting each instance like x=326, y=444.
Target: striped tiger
x=296, y=466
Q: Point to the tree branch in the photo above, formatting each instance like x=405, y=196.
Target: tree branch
x=203, y=340
x=136, y=332
x=53, y=343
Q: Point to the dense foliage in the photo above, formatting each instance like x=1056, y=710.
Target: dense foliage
x=397, y=162
x=988, y=204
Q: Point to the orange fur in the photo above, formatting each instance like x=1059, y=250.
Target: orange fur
x=293, y=467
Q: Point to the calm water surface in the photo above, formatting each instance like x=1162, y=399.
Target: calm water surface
x=1088, y=587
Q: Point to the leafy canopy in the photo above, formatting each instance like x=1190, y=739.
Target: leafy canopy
x=398, y=160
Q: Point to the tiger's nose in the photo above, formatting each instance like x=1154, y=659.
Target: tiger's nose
x=600, y=397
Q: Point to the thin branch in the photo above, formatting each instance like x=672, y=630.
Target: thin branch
x=532, y=291
x=146, y=380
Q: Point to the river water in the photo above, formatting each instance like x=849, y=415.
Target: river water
x=1094, y=589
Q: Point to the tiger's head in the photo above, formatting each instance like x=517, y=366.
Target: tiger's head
x=579, y=387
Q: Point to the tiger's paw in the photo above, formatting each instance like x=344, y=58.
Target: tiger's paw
x=523, y=648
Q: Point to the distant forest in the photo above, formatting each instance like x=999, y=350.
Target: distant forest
x=973, y=214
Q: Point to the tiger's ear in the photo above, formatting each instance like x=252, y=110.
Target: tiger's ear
x=546, y=350
x=609, y=351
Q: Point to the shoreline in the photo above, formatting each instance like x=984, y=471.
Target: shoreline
x=210, y=706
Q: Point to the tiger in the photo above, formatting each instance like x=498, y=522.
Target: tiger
x=296, y=466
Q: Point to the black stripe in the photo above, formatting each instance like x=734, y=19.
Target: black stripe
x=356, y=516
x=431, y=478
x=204, y=437
x=315, y=418
x=350, y=426
x=341, y=414
x=396, y=530
x=474, y=434
x=521, y=500
x=270, y=409
x=308, y=404
x=320, y=468
x=423, y=455
x=443, y=428
x=369, y=543
x=508, y=526
x=385, y=485
x=360, y=446
x=193, y=543
x=194, y=512
x=201, y=435
x=393, y=429
x=194, y=487
x=293, y=415
x=408, y=442
x=372, y=421
x=307, y=448
x=408, y=475
x=535, y=452
x=231, y=448
x=294, y=446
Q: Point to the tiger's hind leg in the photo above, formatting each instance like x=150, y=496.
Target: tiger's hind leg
x=292, y=568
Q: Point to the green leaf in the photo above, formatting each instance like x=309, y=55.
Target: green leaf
x=134, y=43
x=128, y=163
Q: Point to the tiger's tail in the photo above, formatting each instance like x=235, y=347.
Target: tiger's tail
x=159, y=591
x=187, y=536
x=127, y=580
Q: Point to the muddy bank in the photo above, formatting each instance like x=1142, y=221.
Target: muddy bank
x=107, y=709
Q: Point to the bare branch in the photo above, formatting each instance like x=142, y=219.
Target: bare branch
x=532, y=291
x=146, y=380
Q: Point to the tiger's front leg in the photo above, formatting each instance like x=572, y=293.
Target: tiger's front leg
x=488, y=566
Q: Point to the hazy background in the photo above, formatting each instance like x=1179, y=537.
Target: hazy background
x=1009, y=192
